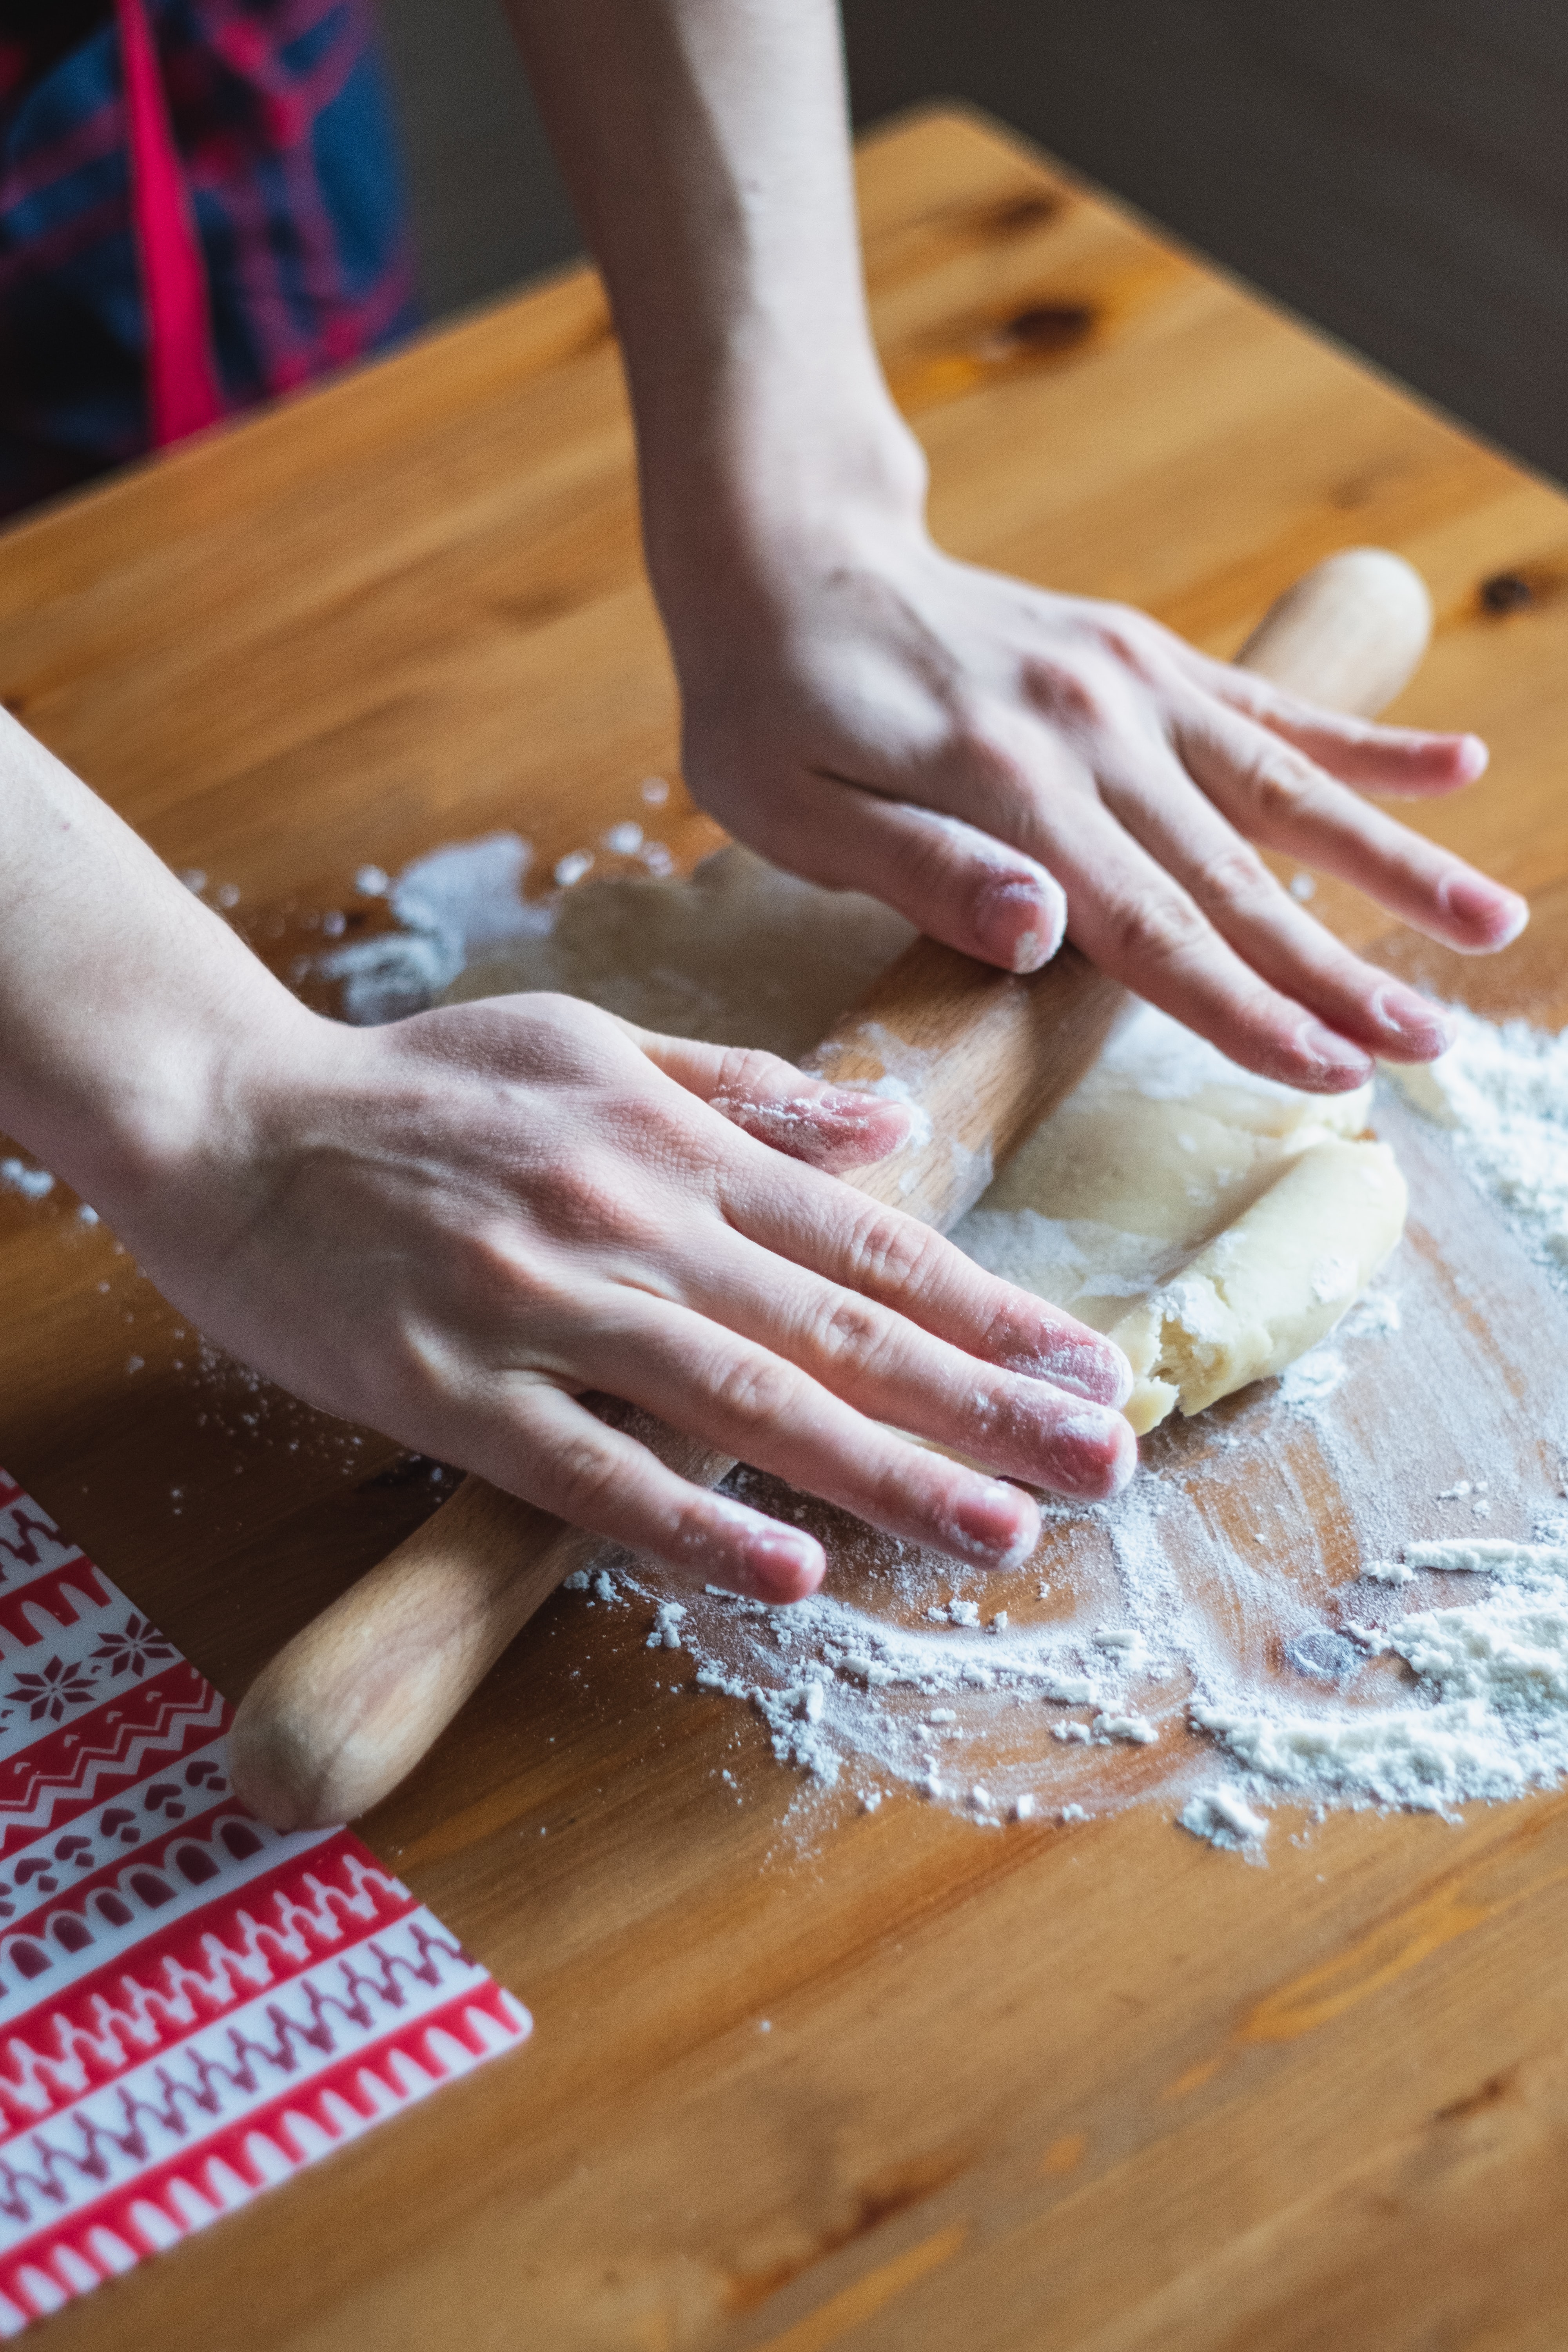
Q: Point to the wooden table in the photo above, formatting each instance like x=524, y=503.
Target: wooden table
x=1098, y=2090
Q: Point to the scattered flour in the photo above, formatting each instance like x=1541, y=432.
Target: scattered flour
x=1503, y=1093
x=459, y=902
x=1491, y=1558
x=1430, y=1757
x=1219, y=1815
x=33, y=1183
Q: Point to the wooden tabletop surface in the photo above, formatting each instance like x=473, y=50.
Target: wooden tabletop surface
x=1102, y=2088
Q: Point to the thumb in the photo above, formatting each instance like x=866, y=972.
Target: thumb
x=805, y=1118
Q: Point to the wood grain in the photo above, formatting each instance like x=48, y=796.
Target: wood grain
x=1100, y=2089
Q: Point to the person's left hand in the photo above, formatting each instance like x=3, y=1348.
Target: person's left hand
x=999, y=763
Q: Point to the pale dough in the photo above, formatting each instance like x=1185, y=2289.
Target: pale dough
x=1214, y=1225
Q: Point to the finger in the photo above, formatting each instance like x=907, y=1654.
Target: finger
x=804, y=1117
x=1279, y=798
x=881, y=1257
x=956, y=883
x=1131, y=918
x=1229, y=881
x=747, y=1402
x=1412, y=762
x=540, y=1444
x=885, y=1366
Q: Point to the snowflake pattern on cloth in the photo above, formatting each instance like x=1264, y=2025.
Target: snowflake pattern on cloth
x=192, y=2005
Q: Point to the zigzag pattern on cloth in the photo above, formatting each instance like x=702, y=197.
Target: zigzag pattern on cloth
x=192, y=2005
x=121, y=2016
x=63, y=1775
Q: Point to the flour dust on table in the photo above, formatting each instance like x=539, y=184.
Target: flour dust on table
x=736, y=953
x=1340, y=1579
x=1501, y=1092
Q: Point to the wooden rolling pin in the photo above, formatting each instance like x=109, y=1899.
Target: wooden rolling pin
x=353, y=1701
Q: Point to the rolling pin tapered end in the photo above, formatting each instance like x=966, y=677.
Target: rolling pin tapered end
x=287, y=1781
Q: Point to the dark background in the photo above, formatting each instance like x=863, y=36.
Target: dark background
x=1394, y=170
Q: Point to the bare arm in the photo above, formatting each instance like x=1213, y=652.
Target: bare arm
x=989, y=758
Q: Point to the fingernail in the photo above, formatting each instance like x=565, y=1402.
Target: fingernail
x=1108, y=1379
x=1020, y=920
x=784, y=1566
x=1413, y=1022
x=854, y=1102
x=998, y=1521
x=1336, y=1064
x=1104, y=1456
x=844, y=1127
x=1498, y=914
x=1474, y=758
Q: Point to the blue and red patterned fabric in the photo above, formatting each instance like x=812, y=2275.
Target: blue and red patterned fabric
x=282, y=128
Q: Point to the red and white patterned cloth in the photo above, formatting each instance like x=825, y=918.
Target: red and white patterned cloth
x=191, y=2005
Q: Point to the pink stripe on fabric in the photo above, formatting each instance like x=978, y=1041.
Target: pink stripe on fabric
x=182, y=378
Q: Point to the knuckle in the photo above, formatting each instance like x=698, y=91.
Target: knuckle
x=853, y=1335
x=566, y=1036
x=1281, y=783
x=1131, y=640
x=411, y=1373
x=746, y=1074
x=492, y=1271
x=945, y=854
x=926, y=853
x=942, y=851
x=978, y=745
x=1160, y=930
x=891, y=1254
x=754, y=1390
x=591, y=1204
x=1071, y=694
x=586, y=1206
x=1234, y=877
x=582, y=1475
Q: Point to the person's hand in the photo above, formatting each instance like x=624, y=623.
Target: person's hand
x=989, y=759
x=453, y=1227
x=999, y=763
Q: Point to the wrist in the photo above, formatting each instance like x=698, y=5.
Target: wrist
x=155, y=1119
x=743, y=522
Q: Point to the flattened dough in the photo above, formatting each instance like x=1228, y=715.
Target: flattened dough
x=1214, y=1225
x=738, y=953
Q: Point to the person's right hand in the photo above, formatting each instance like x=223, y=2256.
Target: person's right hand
x=453, y=1227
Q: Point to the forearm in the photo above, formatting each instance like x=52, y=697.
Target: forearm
x=127, y=1008
x=707, y=149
